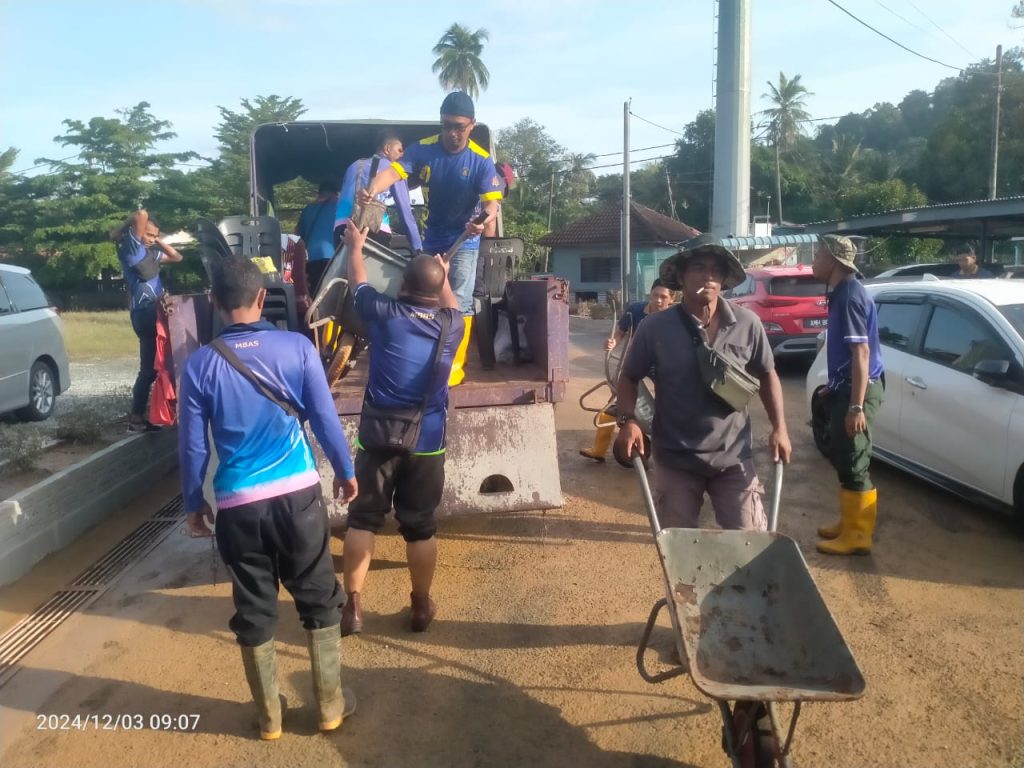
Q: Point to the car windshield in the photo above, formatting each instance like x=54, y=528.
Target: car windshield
x=796, y=285
x=1015, y=314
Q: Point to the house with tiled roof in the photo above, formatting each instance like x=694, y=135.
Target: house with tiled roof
x=587, y=252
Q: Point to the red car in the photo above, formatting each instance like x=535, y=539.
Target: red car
x=791, y=304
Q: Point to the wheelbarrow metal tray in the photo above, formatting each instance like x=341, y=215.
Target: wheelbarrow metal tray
x=754, y=626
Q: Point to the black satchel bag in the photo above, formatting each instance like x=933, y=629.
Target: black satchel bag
x=147, y=267
x=726, y=379
x=397, y=430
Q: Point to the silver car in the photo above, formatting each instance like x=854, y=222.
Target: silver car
x=33, y=360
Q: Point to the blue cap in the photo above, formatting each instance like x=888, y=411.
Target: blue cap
x=458, y=104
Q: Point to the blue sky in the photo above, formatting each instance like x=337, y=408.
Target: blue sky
x=568, y=64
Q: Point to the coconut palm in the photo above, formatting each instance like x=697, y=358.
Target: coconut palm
x=458, y=66
x=785, y=120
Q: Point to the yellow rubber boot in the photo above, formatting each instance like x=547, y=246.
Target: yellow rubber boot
x=602, y=438
x=459, y=363
x=859, y=511
x=832, y=531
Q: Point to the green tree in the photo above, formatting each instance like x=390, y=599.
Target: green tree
x=458, y=65
x=84, y=197
x=785, y=120
x=230, y=170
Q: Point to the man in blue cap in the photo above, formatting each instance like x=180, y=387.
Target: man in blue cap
x=458, y=174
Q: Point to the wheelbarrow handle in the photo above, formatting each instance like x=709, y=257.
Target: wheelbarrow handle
x=773, y=509
x=652, y=513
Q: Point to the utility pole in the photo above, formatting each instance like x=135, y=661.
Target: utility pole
x=730, y=210
x=671, y=202
x=995, y=125
x=627, y=268
x=551, y=205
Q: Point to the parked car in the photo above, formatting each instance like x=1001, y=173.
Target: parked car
x=790, y=302
x=940, y=269
x=1013, y=272
x=33, y=361
x=953, y=413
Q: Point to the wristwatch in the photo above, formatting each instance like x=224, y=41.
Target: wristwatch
x=856, y=409
x=623, y=418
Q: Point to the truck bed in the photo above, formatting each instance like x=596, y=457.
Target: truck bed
x=543, y=304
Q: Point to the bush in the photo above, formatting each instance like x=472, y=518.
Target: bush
x=21, y=447
x=82, y=425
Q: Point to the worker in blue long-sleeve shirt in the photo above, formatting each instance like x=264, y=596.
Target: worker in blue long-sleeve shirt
x=271, y=522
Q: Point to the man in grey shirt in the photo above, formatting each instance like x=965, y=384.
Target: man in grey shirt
x=701, y=444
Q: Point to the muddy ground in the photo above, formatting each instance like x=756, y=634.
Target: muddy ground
x=531, y=659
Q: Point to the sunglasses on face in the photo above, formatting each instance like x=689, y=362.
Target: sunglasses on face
x=454, y=127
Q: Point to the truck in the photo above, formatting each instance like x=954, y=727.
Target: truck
x=501, y=449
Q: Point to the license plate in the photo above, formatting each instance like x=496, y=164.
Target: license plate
x=815, y=322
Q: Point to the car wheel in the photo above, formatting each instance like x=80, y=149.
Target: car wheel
x=42, y=392
x=821, y=426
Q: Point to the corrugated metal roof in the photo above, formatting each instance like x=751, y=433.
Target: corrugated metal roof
x=999, y=202
x=604, y=228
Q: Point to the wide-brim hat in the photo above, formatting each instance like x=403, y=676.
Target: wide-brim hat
x=703, y=244
x=842, y=249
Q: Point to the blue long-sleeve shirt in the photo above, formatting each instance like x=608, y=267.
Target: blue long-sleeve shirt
x=358, y=176
x=263, y=451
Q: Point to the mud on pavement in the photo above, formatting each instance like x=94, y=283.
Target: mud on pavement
x=531, y=659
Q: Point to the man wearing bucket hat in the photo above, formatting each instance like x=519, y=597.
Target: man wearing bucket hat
x=459, y=174
x=708, y=357
x=855, y=389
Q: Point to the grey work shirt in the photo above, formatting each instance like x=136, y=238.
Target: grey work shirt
x=694, y=430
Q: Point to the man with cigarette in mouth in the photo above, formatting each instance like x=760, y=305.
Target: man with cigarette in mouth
x=701, y=436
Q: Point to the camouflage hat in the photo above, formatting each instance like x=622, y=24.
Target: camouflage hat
x=704, y=244
x=842, y=249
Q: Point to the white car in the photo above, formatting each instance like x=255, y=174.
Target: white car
x=33, y=362
x=953, y=414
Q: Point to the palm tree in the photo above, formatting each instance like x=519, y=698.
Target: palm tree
x=784, y=121
x=458, y=66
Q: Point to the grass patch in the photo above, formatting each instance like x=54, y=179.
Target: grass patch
x=99, y=335
x=21, y=447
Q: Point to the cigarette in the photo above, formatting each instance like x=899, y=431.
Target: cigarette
x=700, y=290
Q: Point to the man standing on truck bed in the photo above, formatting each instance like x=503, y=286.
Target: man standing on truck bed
x=458, y=174
x=316, y=230
x=252, y=387
x=410, y=361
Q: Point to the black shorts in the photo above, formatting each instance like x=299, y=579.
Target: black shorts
x=412, y=483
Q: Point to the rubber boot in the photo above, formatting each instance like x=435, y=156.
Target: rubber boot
x=325, y=655
x=859, y=511
x=459, y=363
x=423, y=611
x=831, y=531
x=260, y=666
x=602, y=438
x=352, y=615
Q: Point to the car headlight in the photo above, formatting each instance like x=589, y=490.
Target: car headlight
x=819, y=340
x=772, y=327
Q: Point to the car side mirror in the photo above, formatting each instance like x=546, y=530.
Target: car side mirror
x=995, y=373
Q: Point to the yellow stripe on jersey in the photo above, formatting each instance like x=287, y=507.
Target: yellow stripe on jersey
x=401, y=171
x=431, y=140
x=478, y=149
x=491, y=196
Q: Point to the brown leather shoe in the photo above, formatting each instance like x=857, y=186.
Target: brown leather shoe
x=423, y=611
x=351, y=615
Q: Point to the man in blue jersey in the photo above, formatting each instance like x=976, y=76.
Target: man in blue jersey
x=359, y=174
x=458, y=174
x=316, y=230
x=271, y=521
x=141, y=253
x=404, y=335
x=855, y=391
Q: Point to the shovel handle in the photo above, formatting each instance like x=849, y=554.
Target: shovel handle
x=773, y=509
x=462, y=238
x=645, y=487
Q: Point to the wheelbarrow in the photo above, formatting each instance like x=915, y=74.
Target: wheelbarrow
x=751, y=628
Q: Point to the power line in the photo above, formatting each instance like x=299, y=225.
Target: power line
x=894, y=42
x=45, y=163
x=900, y=17
x=639, y=149
x=957, y=42
x=656, y=125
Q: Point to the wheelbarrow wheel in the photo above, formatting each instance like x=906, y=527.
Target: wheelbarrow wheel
x=338, y=366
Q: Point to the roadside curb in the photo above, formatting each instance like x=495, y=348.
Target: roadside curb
x=53, y=513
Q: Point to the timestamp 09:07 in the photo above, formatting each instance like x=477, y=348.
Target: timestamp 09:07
x=117, y=722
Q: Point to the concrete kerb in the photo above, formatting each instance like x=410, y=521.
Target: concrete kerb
x=52, y=514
